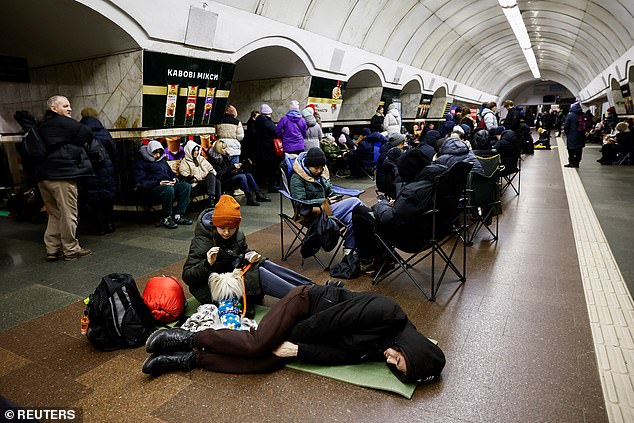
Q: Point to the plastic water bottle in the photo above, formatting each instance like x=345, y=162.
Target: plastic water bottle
x=84, y=322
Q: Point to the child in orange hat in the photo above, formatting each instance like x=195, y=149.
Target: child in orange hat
x=219, y=246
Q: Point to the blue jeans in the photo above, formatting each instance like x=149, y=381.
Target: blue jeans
x=181, y=191
x=342, y=210
x=277, y=281
x=246, y=182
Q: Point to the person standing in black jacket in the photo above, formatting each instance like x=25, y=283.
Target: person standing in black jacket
x=57, y=176
x=97, y=193
x=266, y=162
x=315, y=324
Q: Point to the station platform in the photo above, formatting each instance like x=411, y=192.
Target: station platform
x=540, y=331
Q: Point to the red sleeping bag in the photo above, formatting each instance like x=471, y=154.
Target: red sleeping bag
x=165, y=298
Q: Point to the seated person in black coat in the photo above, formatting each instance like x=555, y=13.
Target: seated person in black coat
x=509, y=149
x=398, y=220
x=154, y=175
x=313, y=324
x=387, y=179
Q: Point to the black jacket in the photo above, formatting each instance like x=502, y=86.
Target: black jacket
x=401, y=223
x=67, y=158
x=103, y=186
x=197, y=269
x=347, y=327
x=509, y=148
x=264, y=135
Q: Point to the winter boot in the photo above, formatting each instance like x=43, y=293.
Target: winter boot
x=157, y=364
x=251, y=200
x=259, y=196
x=169, y=340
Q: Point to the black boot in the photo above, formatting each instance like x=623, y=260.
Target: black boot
x=259, y=196
x=251, y=200
x=157, y=364
x=169, y=340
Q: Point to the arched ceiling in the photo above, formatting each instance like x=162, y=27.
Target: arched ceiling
x=470, y=41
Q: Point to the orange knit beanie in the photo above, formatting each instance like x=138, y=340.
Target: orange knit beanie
x=227, y=213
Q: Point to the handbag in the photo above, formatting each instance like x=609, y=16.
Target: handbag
x=279, y=149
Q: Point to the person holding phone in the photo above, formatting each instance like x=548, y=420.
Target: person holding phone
x=154, y=175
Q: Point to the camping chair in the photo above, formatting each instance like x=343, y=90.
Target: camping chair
x=625, y=158
x=298, y=226
x=510, y=173
x=483, y=202
x=443, y=224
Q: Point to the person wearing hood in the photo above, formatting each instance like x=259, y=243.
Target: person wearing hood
x=428, y=144
x=311, y=185
x=97, y=192
x=575, y=139
x=392, y=121
x=292, y=130
x=316, y=324
x=398, y=220
x=314, y=134
x=447, y=126
x=220, y=246
x=231, y=132
x=454, y=150
x=509, y=149
x=386, y=165
x=232, y=175
x=487, y=157
x=195, y=169
x=57, y=175
x=345, y=140
x=153, y=174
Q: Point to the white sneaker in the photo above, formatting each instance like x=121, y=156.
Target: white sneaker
x=237, y=192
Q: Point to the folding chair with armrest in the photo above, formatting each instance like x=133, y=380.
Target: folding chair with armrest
x=442, y=223
x=510, y=173
x=483, y=203
x=295, y=222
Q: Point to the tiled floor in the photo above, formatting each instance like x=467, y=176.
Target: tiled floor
x=517, y=335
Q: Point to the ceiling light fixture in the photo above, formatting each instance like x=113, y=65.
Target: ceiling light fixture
x=514, y=17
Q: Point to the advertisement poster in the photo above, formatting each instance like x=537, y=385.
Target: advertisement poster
x=209, y=102
x=170, y=104
x=327, y=97
x=190, y=106
x=183, y=91
x=423, y=106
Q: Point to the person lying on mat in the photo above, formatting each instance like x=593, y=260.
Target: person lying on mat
x=317, y=324
x=398, y=220
x=219, y=246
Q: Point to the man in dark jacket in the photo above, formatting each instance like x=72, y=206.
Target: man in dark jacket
x=57, y=176
x=513, y=116
x=399, y=220
x=314, y=324
x=575, y=139
x=153, y=174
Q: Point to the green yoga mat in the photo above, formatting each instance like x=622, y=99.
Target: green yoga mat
x=375, y=375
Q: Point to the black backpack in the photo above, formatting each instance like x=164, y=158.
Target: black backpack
x=118, y=316
x=96, y=152
x=34, y=144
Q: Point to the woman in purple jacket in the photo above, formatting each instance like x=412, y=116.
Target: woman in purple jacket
x=292, y=129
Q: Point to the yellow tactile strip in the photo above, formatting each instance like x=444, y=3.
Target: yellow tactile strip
x=610, y=306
